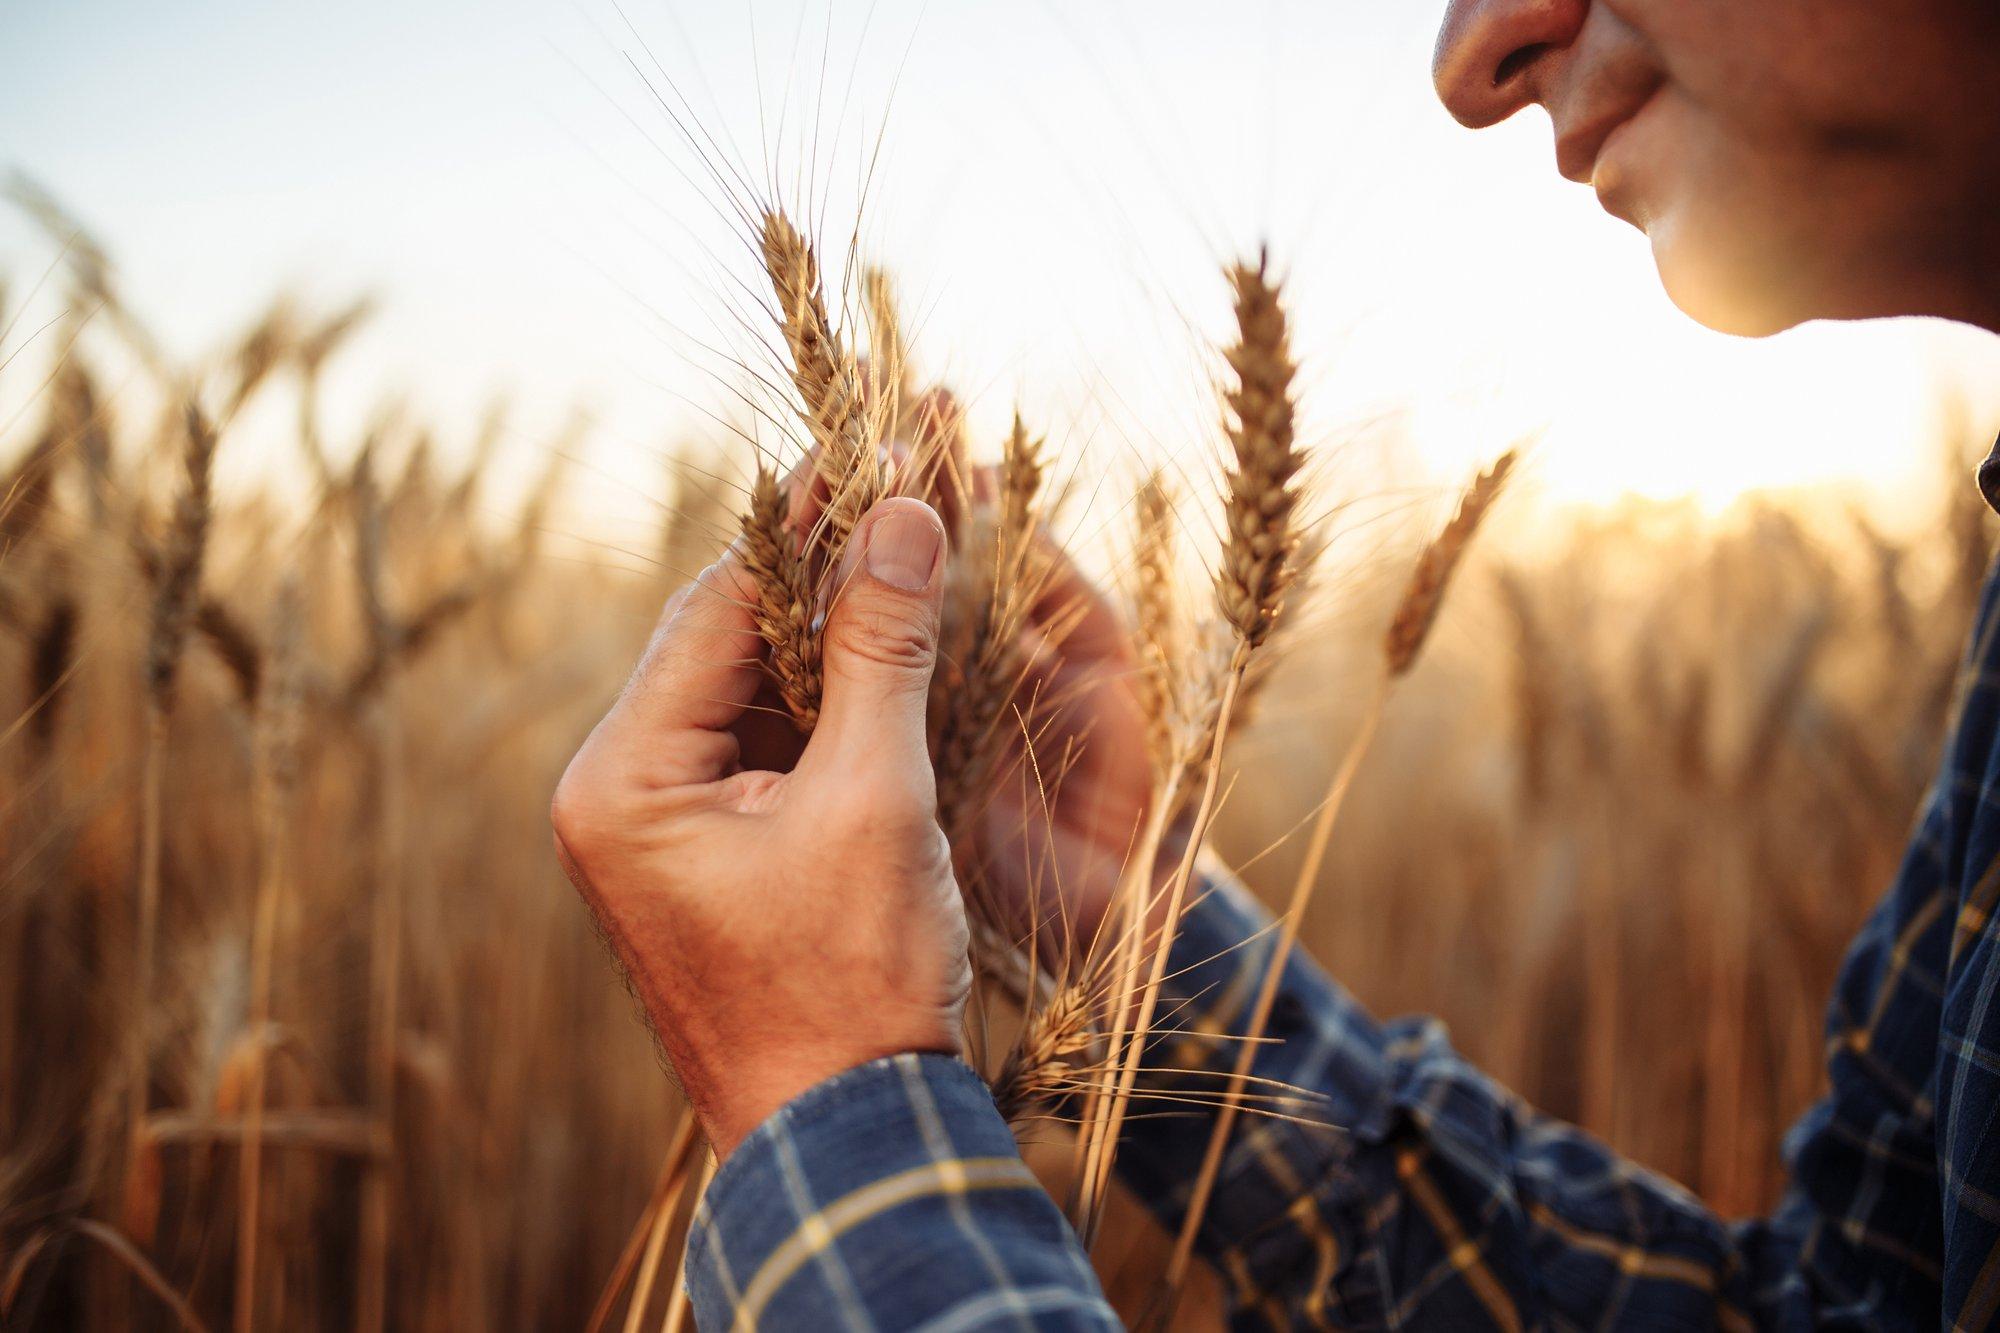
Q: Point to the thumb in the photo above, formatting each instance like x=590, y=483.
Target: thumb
x=880, y=639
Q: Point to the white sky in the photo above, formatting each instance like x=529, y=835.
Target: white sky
x=1058, y=183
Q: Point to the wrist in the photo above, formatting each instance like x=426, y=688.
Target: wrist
x=746, y=1093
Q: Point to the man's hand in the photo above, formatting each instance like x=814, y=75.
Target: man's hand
x=778, y=926
x=1055, y=839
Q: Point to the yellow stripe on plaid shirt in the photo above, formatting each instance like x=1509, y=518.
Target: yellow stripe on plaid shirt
x=821, y=1231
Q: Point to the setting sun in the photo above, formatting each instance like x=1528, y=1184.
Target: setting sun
x=1099, y=163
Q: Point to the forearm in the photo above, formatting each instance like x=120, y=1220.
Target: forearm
x=890, y=1196
x=1411, y=1184
x=1318, y=1055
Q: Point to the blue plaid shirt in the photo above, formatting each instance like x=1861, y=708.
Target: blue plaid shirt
x=892, y=1196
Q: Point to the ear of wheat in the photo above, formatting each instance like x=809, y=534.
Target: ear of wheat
x=1045, y=1062
x=1160, y=634
x=1418, y=611
x=1260, y=532
x=888, y=352
x=784, y=598
x=177, y=587
x=175, y=593
x=1265, y=552
x=845, y=431
x=828, y=382
x=997, y=577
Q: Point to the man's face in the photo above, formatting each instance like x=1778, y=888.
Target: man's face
x=1789, y=159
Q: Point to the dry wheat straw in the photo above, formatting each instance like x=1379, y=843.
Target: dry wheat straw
x=278, y=720
x=386, y=917
x=175, y=593
x=677, y=1315
x=679, y=1147
x=684, y=1171
x=130, y=1260
x=1410, y=627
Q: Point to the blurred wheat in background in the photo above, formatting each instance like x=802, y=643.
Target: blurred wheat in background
x=298, y=1019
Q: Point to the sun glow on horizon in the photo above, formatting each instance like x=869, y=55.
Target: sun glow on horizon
x=1056, y=190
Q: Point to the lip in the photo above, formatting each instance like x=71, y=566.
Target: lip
x=1579, y=147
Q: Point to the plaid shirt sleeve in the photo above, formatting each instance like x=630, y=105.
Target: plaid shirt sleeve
x=892, y=1197
x=1428, y=1196
x=1442, y=1201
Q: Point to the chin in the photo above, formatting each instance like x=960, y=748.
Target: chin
x=1729, y=289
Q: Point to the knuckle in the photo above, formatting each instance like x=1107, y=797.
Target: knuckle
x=729, y=578
x=895, y=637
x=596, y=803
x=576, y=808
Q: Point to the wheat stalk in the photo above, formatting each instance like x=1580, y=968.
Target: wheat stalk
x=175, y=593
x=1415, y=616
x=1261, y=495
x=685, y=1172
x=676, y=1317
x=272, y=782
x=386, y=923
x=673, y=1169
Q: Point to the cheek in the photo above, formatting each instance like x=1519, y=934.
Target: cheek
x=1829, y=71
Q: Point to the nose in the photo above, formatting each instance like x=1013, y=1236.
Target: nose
x=1489, y=53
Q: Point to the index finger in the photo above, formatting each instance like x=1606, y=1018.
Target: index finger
x=1074, y=610
x=702, y=666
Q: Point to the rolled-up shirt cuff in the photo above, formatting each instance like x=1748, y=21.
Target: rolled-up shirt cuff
x=888, y=1196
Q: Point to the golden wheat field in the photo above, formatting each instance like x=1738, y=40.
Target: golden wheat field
x=301, y=1027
